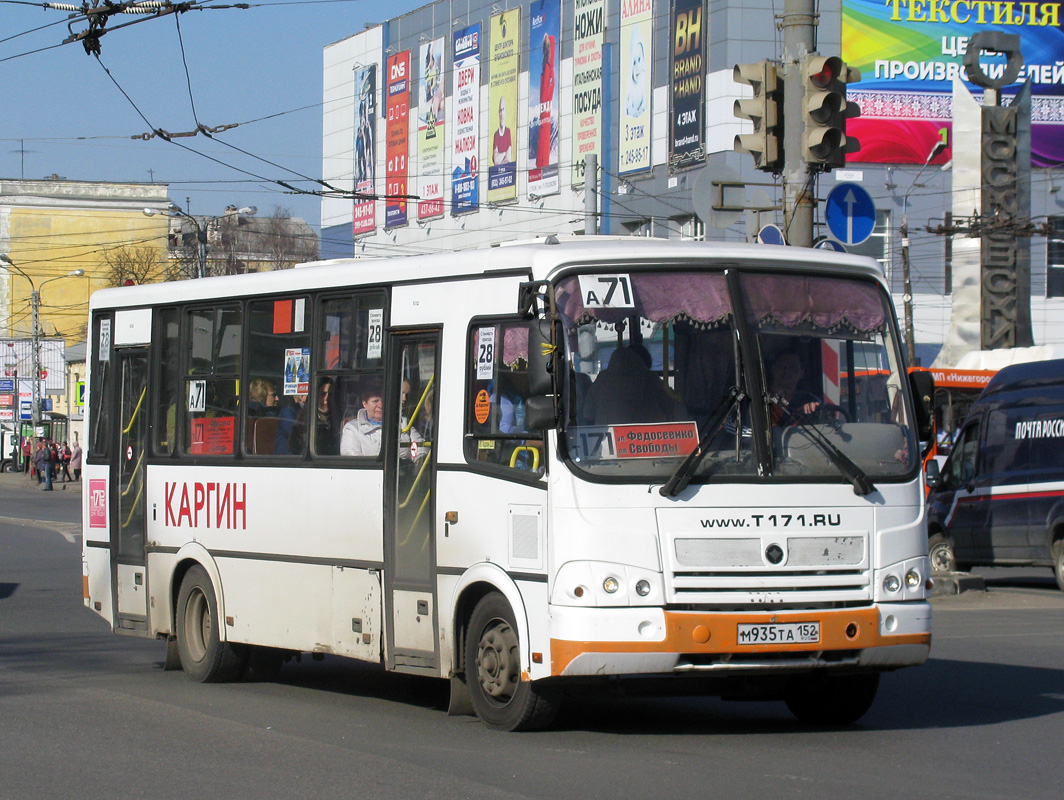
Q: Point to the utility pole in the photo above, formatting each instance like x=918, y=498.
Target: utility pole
x=799, y=196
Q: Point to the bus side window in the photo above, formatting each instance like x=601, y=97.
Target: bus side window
x=496, y=432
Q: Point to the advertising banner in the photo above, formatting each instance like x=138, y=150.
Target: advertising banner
x=502, y=100
x=543, y=111
x=637, y=36
x=465, y=177
x=687, y=127
x=430, y=129
x=365, y=220
x=910, y=52
x=589, y=29
x=398, y=147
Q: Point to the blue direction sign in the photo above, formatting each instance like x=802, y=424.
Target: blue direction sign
x=770, y=234
x=850, y=213
x=7, y=384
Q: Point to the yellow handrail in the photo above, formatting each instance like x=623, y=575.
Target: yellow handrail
x=136, y=411
x=417, y=408
x=525, y=449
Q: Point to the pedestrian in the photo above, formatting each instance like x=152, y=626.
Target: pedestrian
x=40, y=464
x=27, y=455
x=75, y=459
x=65, y=456
x=53, y=462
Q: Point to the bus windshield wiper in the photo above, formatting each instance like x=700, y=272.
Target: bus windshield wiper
x=862, y=485
x=682, y=476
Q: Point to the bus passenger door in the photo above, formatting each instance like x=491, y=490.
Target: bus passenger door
x=410, y=479
x=128, y=510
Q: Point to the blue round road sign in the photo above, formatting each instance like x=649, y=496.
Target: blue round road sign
x=850, y=213
x=771, y=234
x=823, y=243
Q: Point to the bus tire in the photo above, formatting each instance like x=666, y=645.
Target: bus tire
x=204, y=656
x=493, y=671
x=940, y=553
x=823, y=699
x=1058, y=562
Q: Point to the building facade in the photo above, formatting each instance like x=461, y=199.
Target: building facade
x=468, y=125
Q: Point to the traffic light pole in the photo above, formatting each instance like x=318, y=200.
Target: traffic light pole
x=799, y=187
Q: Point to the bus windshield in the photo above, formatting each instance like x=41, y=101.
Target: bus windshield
x=764, y=373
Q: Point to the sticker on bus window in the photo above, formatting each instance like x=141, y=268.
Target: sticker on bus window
x=105, y=340
x=97, y=503
x=606, y=291
x=485, y=354
x=482, y=406
x=297, y=370
x=197, y=396
x=375, y=337
x=661, y=440
x=212, y=436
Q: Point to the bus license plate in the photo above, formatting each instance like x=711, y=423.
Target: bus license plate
x=780, y=633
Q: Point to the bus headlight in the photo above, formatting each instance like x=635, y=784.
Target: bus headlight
x=642, y=588
x=892, y=583
x=912, y=579
x=610, y=585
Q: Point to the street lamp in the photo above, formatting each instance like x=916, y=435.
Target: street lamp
x=174, y=210
x=35, y=305
x=907, y=295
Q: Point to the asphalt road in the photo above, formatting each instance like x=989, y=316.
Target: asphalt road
x=87, y=714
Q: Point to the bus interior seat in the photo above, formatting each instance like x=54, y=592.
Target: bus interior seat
x=262, y=435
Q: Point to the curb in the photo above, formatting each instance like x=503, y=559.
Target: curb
x=947, y=583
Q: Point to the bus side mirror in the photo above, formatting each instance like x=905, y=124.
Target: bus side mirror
x=932, y=474
x=922, y=384
x=540, y=414
x=540, y=358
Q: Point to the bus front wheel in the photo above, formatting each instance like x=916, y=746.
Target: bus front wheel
x=204, y=656
x=940, y=552
x=493, y=671
x=822, y=699
x=1058, y=562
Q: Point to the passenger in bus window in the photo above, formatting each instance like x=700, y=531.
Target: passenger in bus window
x=362, y=435
x=291, y=416
x=325, y=439
x=784, y=374
x=627, y=392
x=262, y=398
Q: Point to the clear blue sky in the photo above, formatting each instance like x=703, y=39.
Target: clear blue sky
x=263, y=63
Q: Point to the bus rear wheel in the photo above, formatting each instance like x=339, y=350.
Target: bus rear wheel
x=204, y=656
x=493, y=671
x=822, y=699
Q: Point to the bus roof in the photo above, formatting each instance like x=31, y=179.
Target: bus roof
x=541, y=260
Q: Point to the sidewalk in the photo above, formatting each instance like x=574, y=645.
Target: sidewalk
x=21, y=482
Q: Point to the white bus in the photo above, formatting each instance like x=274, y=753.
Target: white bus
x=521, y=469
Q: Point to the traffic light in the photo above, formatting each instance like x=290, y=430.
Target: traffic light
x=764, y=109
x=824, y=140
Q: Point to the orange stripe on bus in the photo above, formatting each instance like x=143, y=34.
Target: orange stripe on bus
x=697, y=633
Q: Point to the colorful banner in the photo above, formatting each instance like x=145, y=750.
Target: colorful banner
x=637, y=36
x=430, y=129
x=365, y=220
x=589, y=30
x=465, y=178
x=909, y=54
x=398, y=149
x=502, y=102
x=687, y=127
x=543, y=111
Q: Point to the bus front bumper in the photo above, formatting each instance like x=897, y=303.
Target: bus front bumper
x=629, y=641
